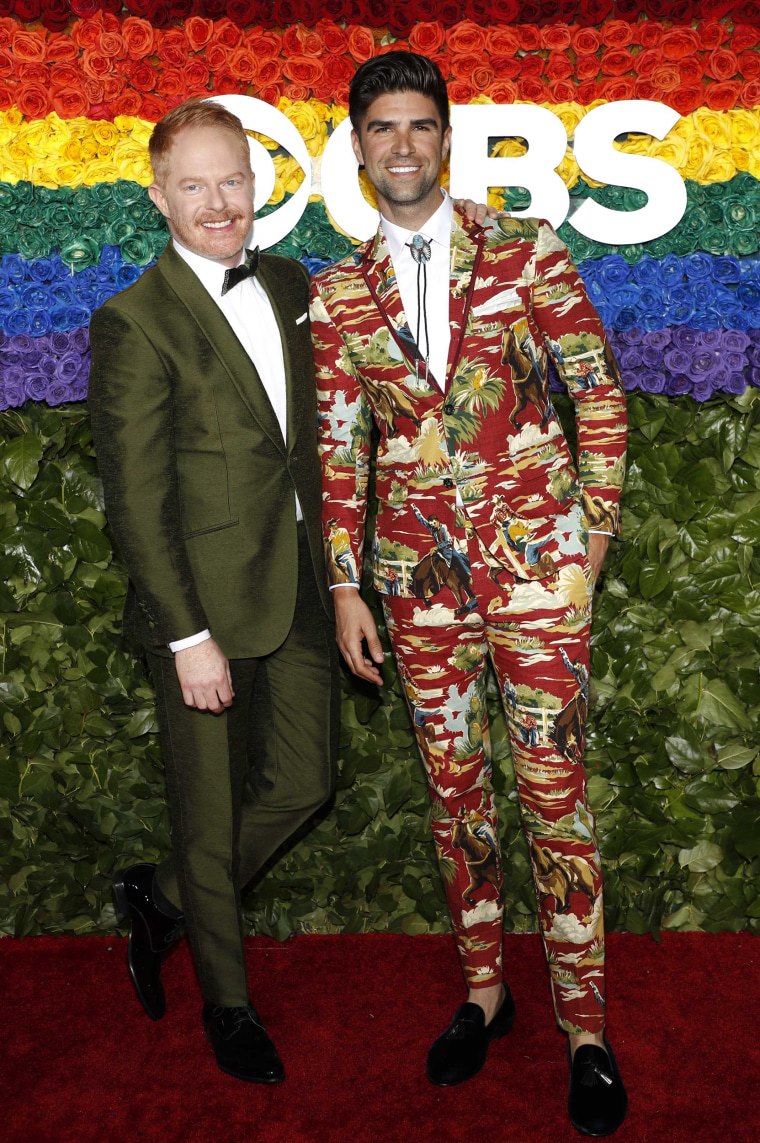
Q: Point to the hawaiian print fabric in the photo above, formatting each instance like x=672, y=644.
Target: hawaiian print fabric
x=506, y=573
x=489, y=430
x=537, y=634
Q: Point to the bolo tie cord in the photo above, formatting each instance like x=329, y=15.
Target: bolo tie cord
x=420, y=249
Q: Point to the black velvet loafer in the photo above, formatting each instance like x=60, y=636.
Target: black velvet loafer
x=151, y=934
x=241, y=1045
x=461, y=1051
x=597, y=1102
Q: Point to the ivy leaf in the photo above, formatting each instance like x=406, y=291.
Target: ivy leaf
x=703, y=857
x=369, y=800
x=88, y=543
x=143, y=721
x=22, y=460
x=398, y=791
x=653, y=580
x=736, y=755
x=720, y=706
x=413, y=925
x=100, y=727
x=708, y=798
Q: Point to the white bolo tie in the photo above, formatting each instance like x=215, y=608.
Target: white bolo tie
x=420, y=251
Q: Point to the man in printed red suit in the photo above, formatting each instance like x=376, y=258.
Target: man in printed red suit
x=439, y=330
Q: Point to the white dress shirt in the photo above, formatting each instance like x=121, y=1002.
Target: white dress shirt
x=247, y=308
x=437, y=230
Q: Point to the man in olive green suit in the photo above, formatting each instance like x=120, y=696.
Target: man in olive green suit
x=204, y=419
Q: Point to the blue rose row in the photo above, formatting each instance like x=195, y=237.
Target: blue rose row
x=698, y=290
x=44, y=295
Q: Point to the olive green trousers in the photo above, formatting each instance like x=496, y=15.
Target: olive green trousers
x=239, y=783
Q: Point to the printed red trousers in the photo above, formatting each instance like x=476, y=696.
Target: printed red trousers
x=536, y=633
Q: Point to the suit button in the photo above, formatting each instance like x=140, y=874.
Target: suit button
x=448, y=482
x=449, y=408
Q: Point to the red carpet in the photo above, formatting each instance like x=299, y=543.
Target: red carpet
x=352, y=1017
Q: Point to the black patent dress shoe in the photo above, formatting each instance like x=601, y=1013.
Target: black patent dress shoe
x=597, y=1101
x=151, y=934
x=461, y=1051
x=241, y=1045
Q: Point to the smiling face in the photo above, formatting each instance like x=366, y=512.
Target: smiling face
x=206, y=193
x=402, y=144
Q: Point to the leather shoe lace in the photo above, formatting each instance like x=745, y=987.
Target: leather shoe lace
x=241, y=1045
x=597, y=1101
x=460, y=1052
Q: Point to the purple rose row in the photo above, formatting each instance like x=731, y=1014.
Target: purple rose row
x=684, y=360
x=54, y=368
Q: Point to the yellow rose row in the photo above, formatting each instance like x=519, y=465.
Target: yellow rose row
x=706, y=146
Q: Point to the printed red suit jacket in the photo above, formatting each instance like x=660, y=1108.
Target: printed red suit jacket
x=489, y=429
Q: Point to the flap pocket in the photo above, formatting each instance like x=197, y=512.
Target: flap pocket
x=210, y=528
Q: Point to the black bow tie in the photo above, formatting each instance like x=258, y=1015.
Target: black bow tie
x=247, y=269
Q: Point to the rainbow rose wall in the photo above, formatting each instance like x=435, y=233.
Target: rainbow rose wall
x=672, y=753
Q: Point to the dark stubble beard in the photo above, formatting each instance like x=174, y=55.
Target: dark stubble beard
x=390, y=192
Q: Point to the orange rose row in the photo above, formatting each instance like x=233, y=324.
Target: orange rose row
x=108, y=66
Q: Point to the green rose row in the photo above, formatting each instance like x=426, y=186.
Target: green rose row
x=721, y=218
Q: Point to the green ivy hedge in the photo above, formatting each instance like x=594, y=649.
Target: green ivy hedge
x=673, y=749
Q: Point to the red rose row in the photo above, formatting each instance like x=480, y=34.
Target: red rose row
x=106, y=66
x=400, y=19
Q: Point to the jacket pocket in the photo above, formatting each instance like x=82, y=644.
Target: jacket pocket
x=210, y=528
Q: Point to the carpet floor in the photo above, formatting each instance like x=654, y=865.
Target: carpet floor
x=353, y=1017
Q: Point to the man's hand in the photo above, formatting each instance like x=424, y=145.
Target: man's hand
x=477, y=211
x=597, y=550
x=354, y=622
x=204, y=676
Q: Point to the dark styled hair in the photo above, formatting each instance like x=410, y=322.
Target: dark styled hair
x=396, y=71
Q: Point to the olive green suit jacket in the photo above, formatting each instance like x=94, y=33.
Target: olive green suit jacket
x=199, y=483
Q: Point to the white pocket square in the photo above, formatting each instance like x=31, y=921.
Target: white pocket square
x=303, y=317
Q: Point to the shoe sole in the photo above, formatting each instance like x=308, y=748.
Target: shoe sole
x=599, y=1134
x=249, y=1079
x=126, y=913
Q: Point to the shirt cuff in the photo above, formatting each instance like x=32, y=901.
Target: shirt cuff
x=599, y=532
x=191, y=641
x=333, y=586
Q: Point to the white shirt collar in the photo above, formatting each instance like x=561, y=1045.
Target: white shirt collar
x=210, y=273
x=436, y=229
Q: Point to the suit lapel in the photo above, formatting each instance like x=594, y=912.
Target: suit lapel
x=467, y=241
x=222, y=339
x=285, y=306
x=383, y=284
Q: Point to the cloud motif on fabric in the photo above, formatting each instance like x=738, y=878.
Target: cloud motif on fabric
x=484, y=911
x=567, y=927
x=440, y=616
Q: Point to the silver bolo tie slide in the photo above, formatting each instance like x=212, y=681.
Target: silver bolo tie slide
x=420, y=248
